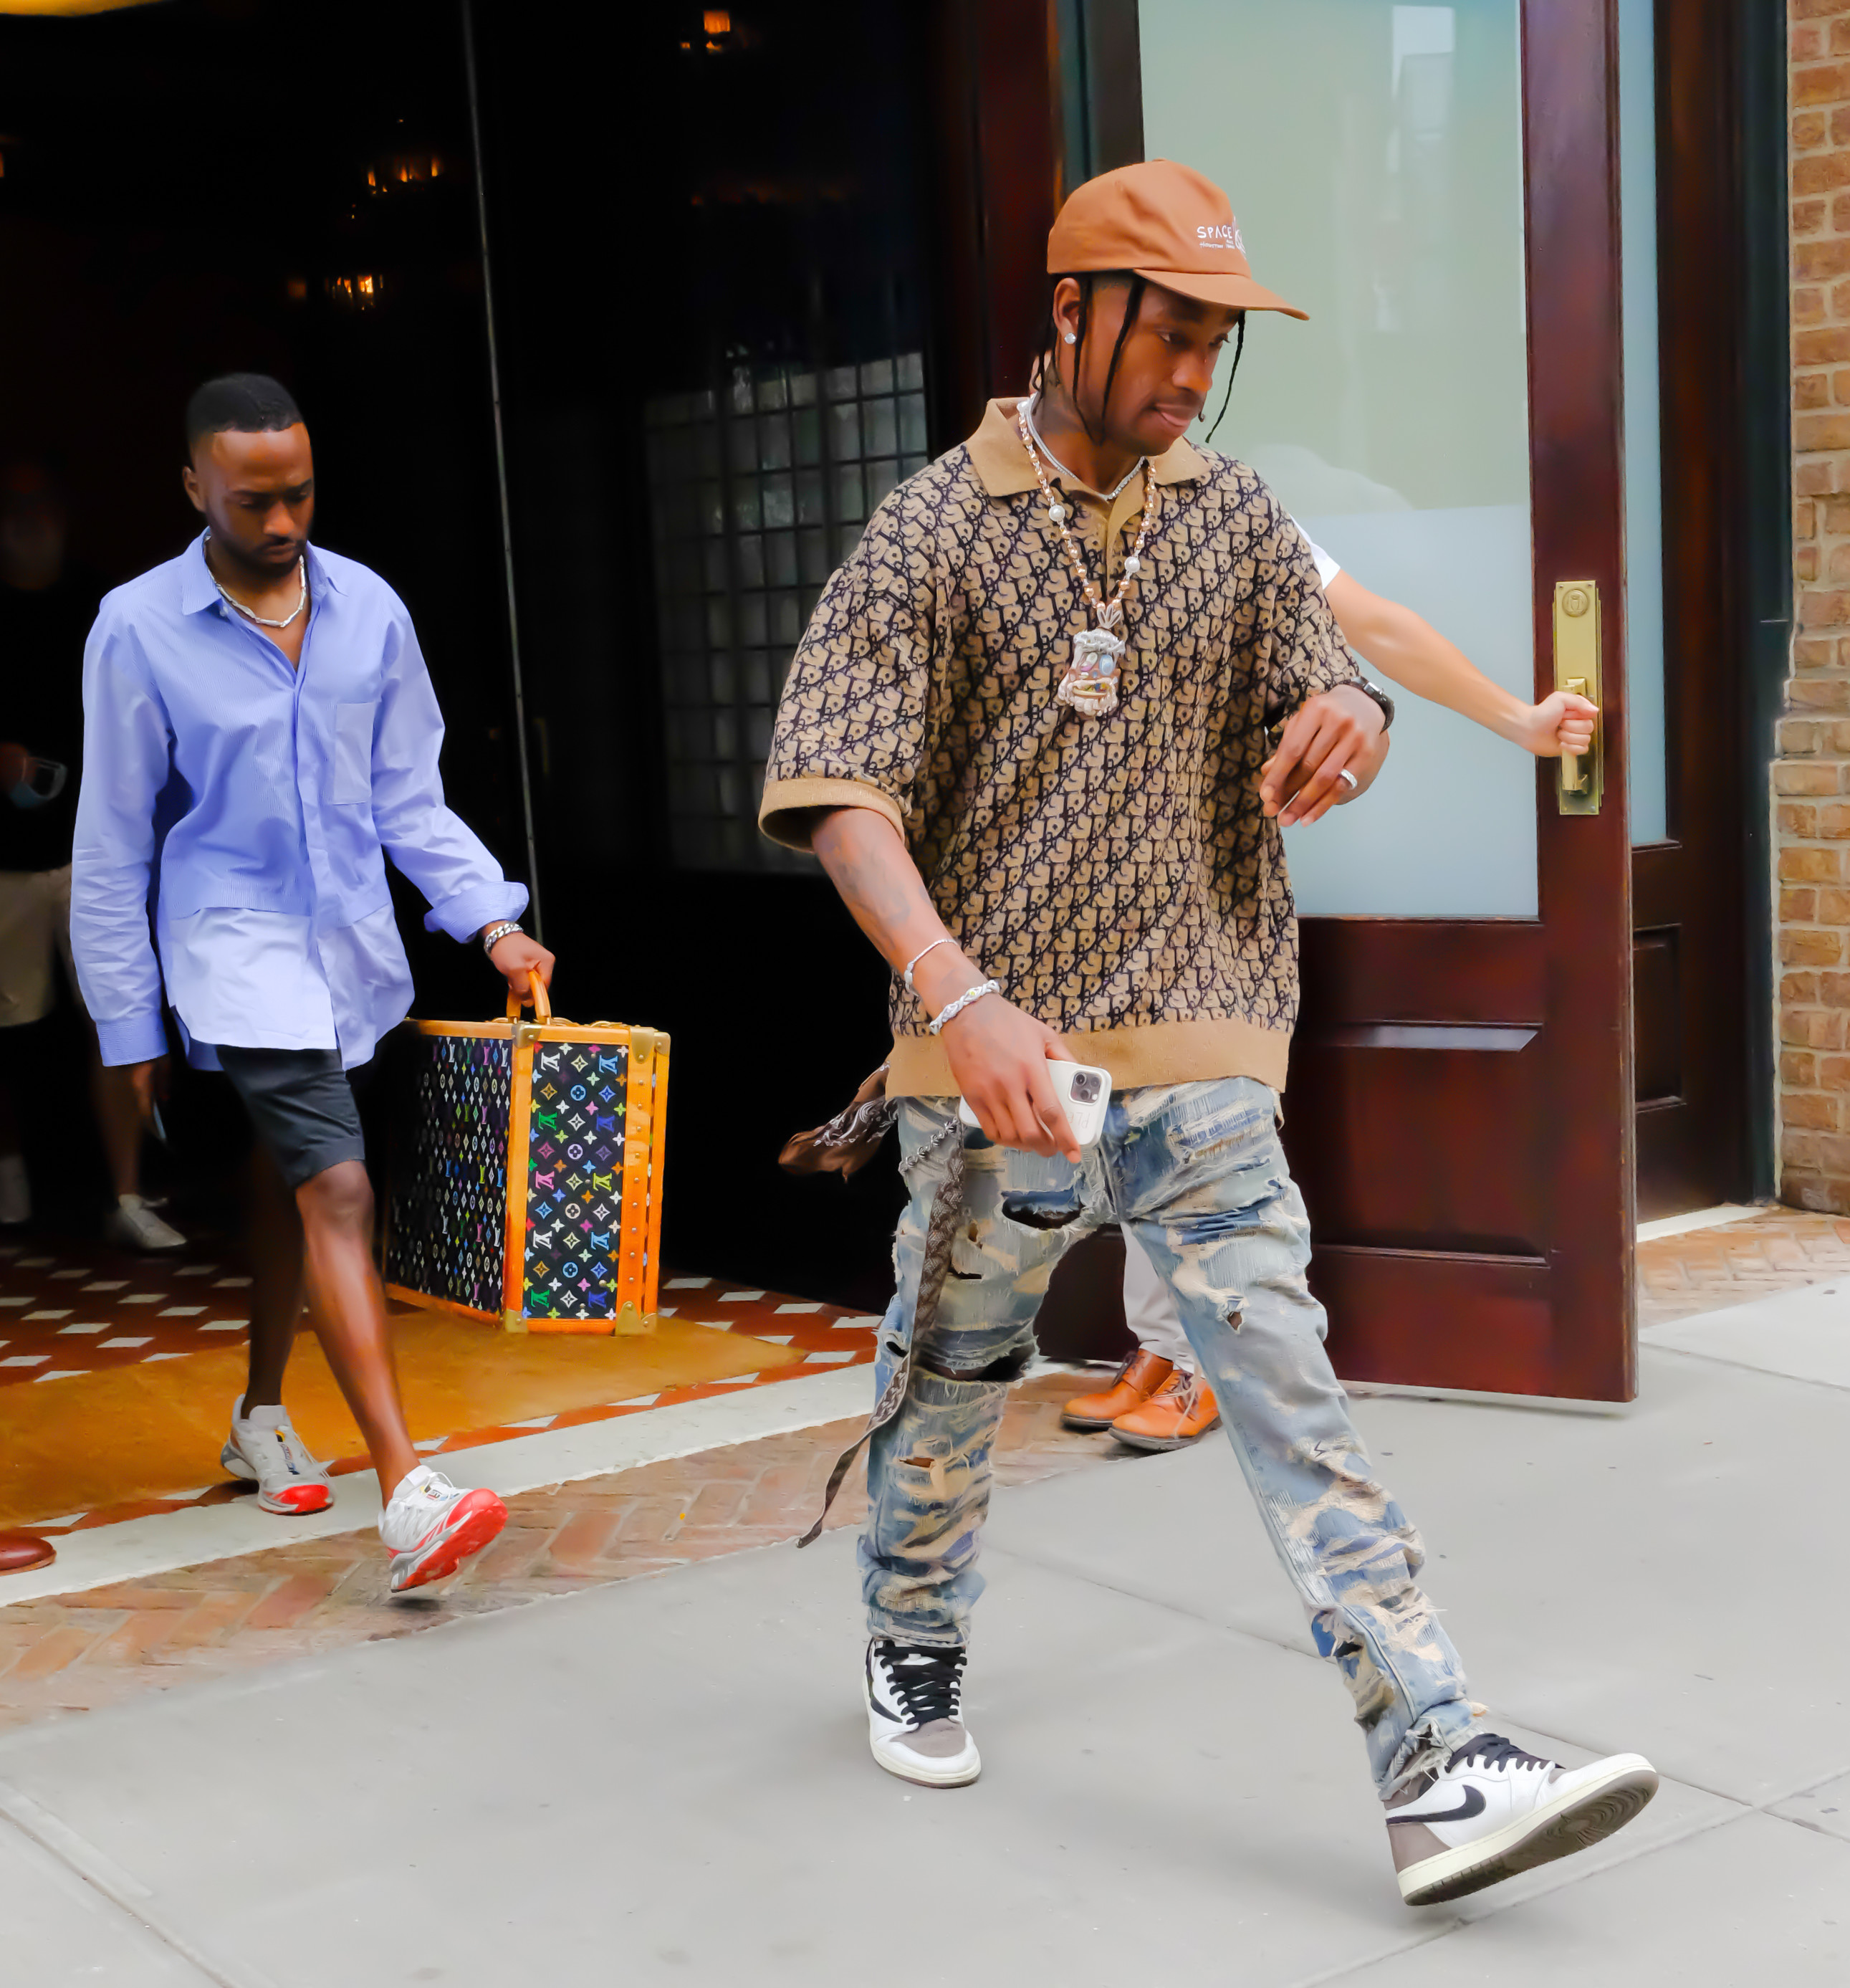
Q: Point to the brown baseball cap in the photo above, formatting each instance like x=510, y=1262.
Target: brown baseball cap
x=1168, y=224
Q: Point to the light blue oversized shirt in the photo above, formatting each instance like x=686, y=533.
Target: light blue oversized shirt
x=286, y=790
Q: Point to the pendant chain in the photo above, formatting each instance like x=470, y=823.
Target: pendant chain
x=250, y=613
x=1109, y=614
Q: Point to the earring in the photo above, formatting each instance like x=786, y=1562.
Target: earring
x=1072, y=337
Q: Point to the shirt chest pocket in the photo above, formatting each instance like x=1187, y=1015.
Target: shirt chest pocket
x=352, y=785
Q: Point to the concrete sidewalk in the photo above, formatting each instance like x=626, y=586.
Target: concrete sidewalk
x=667, y=1780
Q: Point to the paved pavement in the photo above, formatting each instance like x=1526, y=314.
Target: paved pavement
x=665, y=1780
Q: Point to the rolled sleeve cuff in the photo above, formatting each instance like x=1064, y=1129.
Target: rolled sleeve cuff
x=466, y=914
x=790, y=807
x=139, y=1039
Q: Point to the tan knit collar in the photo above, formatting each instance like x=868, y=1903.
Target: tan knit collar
x=1002, y=462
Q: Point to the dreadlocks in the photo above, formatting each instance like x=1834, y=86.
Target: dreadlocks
x=1046, y=362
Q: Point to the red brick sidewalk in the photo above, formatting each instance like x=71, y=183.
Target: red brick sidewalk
x=76, y=1653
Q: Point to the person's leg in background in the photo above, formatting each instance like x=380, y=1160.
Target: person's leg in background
x=1183, y=1409
x=302, y=1104
x=929, y=1469
x=1227, y=1228
x=1157, y=1401
x=132, y=1223
x=25, y=997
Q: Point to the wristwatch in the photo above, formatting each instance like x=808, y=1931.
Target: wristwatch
x=1380, y=696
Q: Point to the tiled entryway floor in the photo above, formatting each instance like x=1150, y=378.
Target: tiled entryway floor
x=69, y=1312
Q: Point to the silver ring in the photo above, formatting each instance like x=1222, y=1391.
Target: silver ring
x=1343, y=773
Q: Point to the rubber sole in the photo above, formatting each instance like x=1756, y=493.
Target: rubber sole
x=477, y=1525
x=1090, y=1422
x=1587, y=1817
x=1161, y=1442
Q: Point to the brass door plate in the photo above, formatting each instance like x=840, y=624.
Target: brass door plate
x=1580, y=782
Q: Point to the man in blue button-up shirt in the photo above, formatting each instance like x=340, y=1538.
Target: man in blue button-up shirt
x=268, y=703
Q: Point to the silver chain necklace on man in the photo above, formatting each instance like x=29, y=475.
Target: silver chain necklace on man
x=1090, y=684
x=250, y=613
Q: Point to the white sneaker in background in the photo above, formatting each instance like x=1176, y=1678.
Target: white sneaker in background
x=1493, y=1810
x=135, y=1225
x=431, y=1527
x=15, y=1190
x=263, y=1448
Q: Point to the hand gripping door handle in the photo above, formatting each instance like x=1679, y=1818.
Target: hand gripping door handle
x=1581, y=775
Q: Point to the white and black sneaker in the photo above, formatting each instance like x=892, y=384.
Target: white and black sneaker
x=915, y=1714
x=1493, y=1810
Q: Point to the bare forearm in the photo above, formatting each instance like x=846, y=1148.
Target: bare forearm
x=881, y=886
x=1400, y=645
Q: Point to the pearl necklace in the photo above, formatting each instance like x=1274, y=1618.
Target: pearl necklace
x=250, y=613
x=1090, y=685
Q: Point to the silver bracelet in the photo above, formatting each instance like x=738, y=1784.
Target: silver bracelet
x=495, y=934
x=962, y=1001
x=917, y=956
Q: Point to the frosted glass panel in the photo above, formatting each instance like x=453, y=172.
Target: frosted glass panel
x=1372, y=154
x=1644, y=467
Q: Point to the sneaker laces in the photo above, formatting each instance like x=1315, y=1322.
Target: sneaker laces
x=928, y=1682
x=1492, y=1750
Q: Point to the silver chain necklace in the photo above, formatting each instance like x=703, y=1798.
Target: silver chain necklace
x=1110, y=496
x=250, y=613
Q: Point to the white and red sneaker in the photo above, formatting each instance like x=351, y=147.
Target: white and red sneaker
x=264, y=1449
x=431, y=1527
x=1493, y=1810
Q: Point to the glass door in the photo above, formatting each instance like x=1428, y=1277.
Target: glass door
x=1437, y=186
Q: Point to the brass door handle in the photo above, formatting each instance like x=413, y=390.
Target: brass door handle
x=1582, y=774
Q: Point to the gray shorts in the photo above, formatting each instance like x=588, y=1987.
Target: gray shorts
x=301, y=1105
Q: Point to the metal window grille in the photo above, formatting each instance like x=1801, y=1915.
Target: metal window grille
x=758, y=490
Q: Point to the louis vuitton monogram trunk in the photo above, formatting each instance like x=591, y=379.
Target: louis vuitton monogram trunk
x=526, y=1172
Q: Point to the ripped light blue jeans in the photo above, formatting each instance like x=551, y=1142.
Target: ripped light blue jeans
x=1196, y=1171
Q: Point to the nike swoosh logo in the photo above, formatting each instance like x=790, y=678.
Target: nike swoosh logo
x=1471, y=1804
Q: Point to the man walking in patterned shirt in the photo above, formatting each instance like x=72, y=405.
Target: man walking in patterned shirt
x=1071, y=849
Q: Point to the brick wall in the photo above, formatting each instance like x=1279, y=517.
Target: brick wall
x=1811, y=774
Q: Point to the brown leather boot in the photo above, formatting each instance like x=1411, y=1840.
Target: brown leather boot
x=1182, y=1413
x=21, y=1551
x=1140, y=1377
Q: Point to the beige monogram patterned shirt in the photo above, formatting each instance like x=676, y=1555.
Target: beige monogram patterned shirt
x=1115, y=874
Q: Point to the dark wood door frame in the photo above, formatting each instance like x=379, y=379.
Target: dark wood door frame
x=1702, y=901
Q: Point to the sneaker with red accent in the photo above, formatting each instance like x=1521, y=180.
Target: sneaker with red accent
x=264, y=1449
x=431, y=1527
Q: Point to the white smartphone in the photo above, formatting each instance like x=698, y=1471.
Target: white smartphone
x=1084, y=1091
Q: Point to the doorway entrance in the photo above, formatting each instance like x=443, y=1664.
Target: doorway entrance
x=1453, y=424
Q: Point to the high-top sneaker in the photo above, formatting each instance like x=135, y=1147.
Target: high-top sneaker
x=915, y=1714
x=1493, y=1810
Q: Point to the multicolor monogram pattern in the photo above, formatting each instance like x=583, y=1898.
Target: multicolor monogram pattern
x=448, y=1207
x=575, y=1185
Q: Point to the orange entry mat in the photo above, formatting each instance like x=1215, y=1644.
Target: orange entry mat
x=153, y=1431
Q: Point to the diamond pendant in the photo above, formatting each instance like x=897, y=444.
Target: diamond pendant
x=1090, y=685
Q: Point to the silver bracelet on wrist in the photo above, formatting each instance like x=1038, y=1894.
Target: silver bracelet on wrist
x=495, y=934
x=962, y=1001
x=917, y=956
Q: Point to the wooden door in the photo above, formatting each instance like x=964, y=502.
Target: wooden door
x=1460, y=1108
